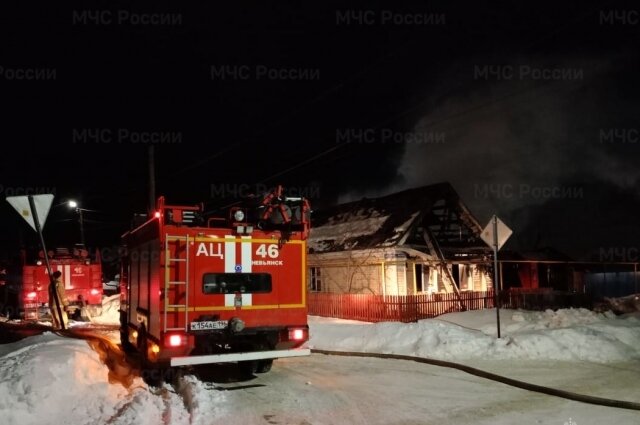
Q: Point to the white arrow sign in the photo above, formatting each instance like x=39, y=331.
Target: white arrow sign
x=503, y=233
x=41, y=202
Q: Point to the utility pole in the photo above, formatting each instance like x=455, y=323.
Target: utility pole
x=74, y=204
x=152, y=180
x=81, y=221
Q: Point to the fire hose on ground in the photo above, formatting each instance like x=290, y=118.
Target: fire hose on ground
x=116, y=361
x=109, y=352
x=621, y=404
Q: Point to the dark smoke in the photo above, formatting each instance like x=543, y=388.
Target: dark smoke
x=514, y=146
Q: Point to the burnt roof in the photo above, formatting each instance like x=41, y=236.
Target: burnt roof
x=385, y=221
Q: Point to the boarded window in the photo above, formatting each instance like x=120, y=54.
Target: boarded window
x=420, y=286
x=315, y=284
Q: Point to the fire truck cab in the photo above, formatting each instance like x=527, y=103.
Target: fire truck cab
x=231, y=288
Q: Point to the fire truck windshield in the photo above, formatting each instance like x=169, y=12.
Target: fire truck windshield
x=230, y=283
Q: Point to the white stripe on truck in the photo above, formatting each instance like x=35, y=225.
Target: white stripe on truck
x=230, y=255
x=246, y=253
x=229, y=299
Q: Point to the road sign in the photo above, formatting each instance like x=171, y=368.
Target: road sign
x=42, y=204
x=503, y=232
x=495, y=234
x=35, y=209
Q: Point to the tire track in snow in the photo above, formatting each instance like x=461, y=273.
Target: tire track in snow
x=201, y=402
x=168, y=404
x=188, y=401
x=153, y=406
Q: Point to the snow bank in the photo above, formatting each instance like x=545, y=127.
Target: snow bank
x=570, y=334
x=48, y=379
x=110, y=314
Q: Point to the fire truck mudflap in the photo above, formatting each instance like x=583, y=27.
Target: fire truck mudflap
x=200, y=289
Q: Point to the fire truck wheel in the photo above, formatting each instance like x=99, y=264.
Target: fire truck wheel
x=127, y=347
x=264, y=366
x=153, y=376
x=172, y=375
x=142, y=343
x=249, y=367
x=142, y=348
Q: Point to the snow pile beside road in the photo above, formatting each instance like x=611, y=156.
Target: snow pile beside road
x=47, y=379
x=570, y=334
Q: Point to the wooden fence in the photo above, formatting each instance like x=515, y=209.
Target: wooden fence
x=394, y=308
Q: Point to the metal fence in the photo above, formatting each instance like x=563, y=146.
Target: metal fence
x=411, y=308
x=394, y=308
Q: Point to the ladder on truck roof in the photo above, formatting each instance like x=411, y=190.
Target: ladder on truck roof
x=174, y=261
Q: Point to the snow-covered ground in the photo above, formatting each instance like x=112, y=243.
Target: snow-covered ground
x=572, y=334
x=47, y=379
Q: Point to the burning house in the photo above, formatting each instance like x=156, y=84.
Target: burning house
x=421, y=240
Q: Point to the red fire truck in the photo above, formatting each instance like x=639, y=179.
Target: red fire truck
x=229, y=288
x=81, y=274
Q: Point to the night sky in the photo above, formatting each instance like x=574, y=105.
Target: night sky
x=529, y=110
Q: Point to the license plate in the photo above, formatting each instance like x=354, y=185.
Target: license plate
x=208, y=325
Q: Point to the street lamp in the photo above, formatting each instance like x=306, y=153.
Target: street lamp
x=74, y=204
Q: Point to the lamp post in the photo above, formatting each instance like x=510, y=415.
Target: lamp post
x=74, y=204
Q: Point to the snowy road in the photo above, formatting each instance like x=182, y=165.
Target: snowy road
x=336, y=390
x=48, y=379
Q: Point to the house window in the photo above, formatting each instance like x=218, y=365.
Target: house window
x=316, y=280
x=418, y=273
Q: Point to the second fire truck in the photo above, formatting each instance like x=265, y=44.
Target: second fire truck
x=200, y=289
x=81, y=275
